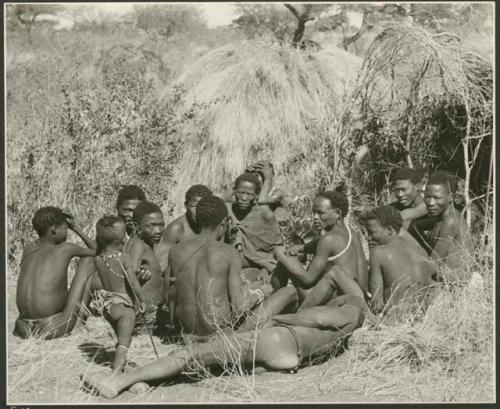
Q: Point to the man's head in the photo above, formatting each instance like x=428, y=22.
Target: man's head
x=110, y=231
x=193, y=195
x=128, y=199
x=51, y=222
x=149, y=220
x=212, y=214
x=246, y=190
x=382, y=225
x=406, y=186
x=328, y=208
x=439, y=193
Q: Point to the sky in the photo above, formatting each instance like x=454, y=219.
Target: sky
x=217, y=14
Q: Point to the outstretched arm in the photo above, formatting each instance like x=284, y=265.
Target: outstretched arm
x=71, y=224
x=313, y=274
x=413, y=213
x=74, y=250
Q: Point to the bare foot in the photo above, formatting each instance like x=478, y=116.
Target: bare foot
x=139, y=388
x=104, y=386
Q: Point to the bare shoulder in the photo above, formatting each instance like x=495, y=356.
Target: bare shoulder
x=174, y=230
x=218, y=249
x=380, y=252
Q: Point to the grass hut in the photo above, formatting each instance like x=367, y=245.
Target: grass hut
x=254, y=100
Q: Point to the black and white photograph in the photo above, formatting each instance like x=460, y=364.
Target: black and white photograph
x=258, y=203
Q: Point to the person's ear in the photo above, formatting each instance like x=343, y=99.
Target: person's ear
x=53, y=229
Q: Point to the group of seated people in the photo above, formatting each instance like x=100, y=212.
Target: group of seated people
x=223, y=268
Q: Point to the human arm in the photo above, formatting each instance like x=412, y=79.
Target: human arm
x=376, y=281
x=266, y=170
x=172, y=233
x=313, y=274
x=234, y=285
x=133, y=281
x=413, y=213
x=91, y=244
x=74, y=250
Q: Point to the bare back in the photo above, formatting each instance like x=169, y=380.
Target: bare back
x=202, y=270
x=42, y=287
x=403, y=265
x=114, y=278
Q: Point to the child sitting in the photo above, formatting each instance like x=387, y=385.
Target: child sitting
x=46, y=307
x=120, y=284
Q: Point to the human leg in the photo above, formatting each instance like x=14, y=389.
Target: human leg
x=273, y=347
x=284, y=298
x=336, y=278
x=122, y=319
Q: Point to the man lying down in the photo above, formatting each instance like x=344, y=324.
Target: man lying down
x=285, y=343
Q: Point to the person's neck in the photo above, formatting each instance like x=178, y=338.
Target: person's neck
x=338, y=225
x=192, y=224
x=241, y=213
x=47, y=241
x=112, y=249
x=417, y=201
x=446, y=213
x=208, y=234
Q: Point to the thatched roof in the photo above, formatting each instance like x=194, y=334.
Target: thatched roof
x=257, y=99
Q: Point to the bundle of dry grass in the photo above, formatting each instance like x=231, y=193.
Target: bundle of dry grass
x=255, y=101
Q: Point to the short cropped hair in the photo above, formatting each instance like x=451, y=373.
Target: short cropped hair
x=338, y=200
x=248, y=177
x=106, y=232
x=210, y=211
x=46, y=217
x=413, y=175
x=130, y=192
x=453, y=179
x=197, y=191
x=443, y=179
x=387, y=216
x=143, y=209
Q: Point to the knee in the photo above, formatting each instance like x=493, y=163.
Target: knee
x=281, y=352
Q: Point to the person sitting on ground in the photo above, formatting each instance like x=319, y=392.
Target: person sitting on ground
x=208, y=285
x=46, y=307
x=127, y=200
x=288, y=342
x=253, y=230
x=149, y=222
x=450, y=238
x=120, y=285
x=338, y=247
x=182, y=228
x=398, y=268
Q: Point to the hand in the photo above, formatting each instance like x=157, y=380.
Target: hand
x=144, y=274
x=270, y=265
x=296, y=249
x=69, y=219
x=266, y=168
x=279, y=251
x=142, y=307
x=377, y=305
x=267, y=289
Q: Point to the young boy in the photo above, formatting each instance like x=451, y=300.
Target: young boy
x=398, y=265
x=120, y=284
x=150, y=224
x=46, y=307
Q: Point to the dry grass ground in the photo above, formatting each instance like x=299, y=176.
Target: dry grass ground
x=445, y=356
